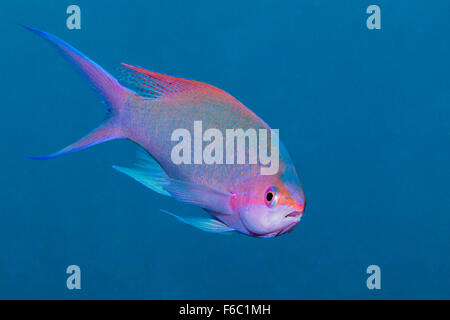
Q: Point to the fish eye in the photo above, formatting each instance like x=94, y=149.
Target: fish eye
x=271, y=197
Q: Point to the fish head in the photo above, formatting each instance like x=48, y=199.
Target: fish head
x=272, y=205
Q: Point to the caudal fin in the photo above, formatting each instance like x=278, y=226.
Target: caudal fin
x=108, y=130
x=113, y=93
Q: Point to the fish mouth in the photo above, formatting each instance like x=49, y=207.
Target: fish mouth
x=293, y=219
x=294, y=214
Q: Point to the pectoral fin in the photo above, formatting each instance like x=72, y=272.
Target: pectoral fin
x=204, y=224
x=149, y=173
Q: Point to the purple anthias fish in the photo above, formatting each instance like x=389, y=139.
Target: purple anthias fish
x=147, y=111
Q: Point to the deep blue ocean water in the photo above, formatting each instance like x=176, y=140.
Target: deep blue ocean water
x=365, y=115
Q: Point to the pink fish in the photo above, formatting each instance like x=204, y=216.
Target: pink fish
x=147, y=110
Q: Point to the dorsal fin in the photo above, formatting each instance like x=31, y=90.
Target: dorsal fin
x=154, y=85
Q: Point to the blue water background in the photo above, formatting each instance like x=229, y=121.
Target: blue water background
x=364, y=114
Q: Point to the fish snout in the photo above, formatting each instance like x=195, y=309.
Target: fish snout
x=298, y=211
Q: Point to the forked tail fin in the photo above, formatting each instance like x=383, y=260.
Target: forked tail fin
x=113, y=93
